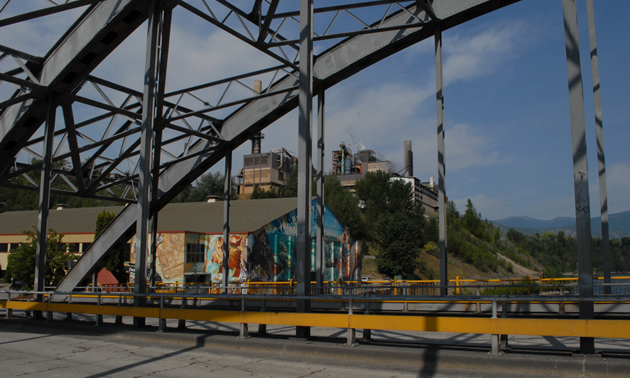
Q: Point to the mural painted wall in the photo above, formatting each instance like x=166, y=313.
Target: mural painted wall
x=170, y=259
x=266, y=255
x=341, y=252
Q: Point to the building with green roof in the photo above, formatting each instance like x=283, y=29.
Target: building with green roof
x=190, y=240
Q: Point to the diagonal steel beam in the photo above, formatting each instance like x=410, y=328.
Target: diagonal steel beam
x=264, y=28
x=68, y=117
x=97, y=32
x=358, y=52
x=47, y=11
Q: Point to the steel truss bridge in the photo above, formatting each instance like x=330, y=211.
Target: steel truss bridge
x=144, y=146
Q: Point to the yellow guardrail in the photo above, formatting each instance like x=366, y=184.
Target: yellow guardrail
x=599, y=328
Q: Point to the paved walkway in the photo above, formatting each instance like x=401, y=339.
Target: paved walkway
x=426, y=352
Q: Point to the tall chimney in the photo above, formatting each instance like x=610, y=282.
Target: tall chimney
x=257, y=139
x=408, y=159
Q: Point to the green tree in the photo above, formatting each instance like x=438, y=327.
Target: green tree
x=344, y=205
x=208, y=184
x=400, y=242
x=116, y=262
x=291, y=188
x=472, y=221
x=394, y=222
x=373, y=194
x=21, y=263
x=452, y=215
x=258, y=193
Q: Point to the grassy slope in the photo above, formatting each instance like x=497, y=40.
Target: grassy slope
x=457, y=267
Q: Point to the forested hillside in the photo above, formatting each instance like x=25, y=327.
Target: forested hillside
x=558, y=252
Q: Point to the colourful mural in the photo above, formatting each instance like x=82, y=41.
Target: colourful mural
x=265, y=255
x=341, y=252
x=214, y=257
x=170, y=259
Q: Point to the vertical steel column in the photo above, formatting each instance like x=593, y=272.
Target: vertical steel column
x=601, y=156
x=164, y=42
x=439, y=96
x=303, y=251
x=154, y=212
x=227, y=196
x=580, y=167
x=44, y=200
x=319, y=254
x=144, y=184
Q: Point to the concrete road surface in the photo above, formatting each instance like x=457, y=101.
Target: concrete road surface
x=35, y=348
x=44, y=354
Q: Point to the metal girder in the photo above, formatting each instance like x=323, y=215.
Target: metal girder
x=580, y=167
x=44, y=200
x=47, y=11
x=330, y=67
x=97, y=33
x=305, y=126
x=601, y=155
x=439, y=97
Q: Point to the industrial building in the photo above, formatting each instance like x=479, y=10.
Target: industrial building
x=349, y=168
x=265, y=170
x=190, y=240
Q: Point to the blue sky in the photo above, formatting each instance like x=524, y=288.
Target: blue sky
x=508, y=141
x=508, y=144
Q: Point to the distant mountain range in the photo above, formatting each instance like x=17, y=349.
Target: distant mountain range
x=619, y=225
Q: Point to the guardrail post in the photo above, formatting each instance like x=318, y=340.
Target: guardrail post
x=69, y=314
x=119, y=318
x=340, y=283
x=181, y=323
x=367, y=333
x=457, y=292
x=162, y=321
x=529, y=289
x=99, y=317
x=352, y=335
x=478, y=304
x=9, y=310
x=504, y=338
x=262, y=328
x=49, y=314
x=494, y=338
x=244, y=332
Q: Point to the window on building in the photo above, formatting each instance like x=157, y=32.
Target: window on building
x=73, y=247
x=194, y=253
x=14, y=246
x=4, y=247
x=85, y=247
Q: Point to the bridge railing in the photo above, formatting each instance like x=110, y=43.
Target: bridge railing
x=350, y=312
x=395, y=287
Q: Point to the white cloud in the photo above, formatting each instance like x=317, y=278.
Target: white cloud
x=374, y=113
x=198, y=58
x=38, y=35
x=467, y=57
x=466, y=147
